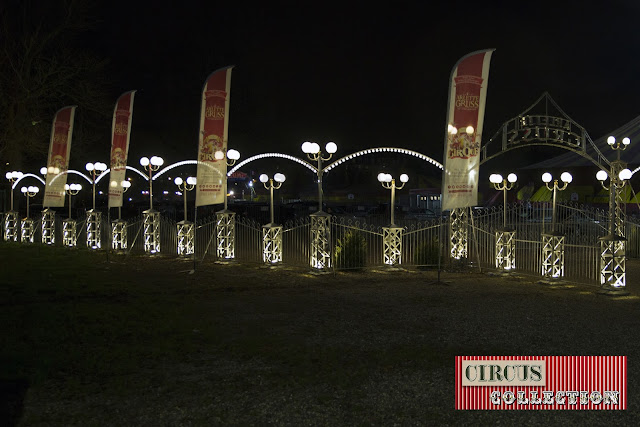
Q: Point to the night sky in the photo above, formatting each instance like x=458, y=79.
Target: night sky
x=358, y=74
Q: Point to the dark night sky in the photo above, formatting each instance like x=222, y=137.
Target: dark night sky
x=361, y=75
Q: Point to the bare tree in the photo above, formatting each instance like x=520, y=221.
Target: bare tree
x=44, y=67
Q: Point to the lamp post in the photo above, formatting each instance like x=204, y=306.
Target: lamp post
x=94, y=218
x=553, y=242
x=185, y=228
x=272, y=233
x=613, y=245
x=69, y=235
x=226, y=219
x=151, y=217
x=392, y=235
x=320, y=220
x=11, y=217
x=119, y=226
x=505, y=237
x=27, y=230
x=48, y=221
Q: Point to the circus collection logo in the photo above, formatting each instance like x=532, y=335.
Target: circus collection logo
x=209, y=146
x=463, y=146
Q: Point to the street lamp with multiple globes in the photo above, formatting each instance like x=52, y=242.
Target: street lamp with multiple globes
x=119, y=226
x=185, y=228
x=151, y=217
x=94, y=218
x=69, y=234
x=392, y=235
x=272, y=233
x=320, y=221
x=11, y=217
x=505, y=237
x=226, y=219
x=27, y=230
x=553, y=242
x=613, y=245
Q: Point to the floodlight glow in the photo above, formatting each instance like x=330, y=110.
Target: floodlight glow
x=43, y=170
x=67, y=187
x=125, y=184
x=625, y=174
x=495, y=178
x=306, y=147
x=602, y=175
x=89, y=167
x=178, y=181
x=566, y=177
x=626, y=141
x=512, y=177
x=78, y=187
x=23, y=189
x=315, y=148
x=470, y=130
x=331, y=147
x=233, y=154
x=192, y=180
x=279, y=177
x=231, y=192
x=453, y=130
x=157, y=161
x=100, y=166
x=388, y=177
x=264, y=177
x=381, y=176
x=144, y=162
x=33, y=189
x=219, y=155
x=9, y=175
x=611, y=140
x=546, y=177
x=404, y=177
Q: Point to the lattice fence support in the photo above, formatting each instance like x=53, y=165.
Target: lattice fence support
x=185, y=238
x=119, y=235
x=320, y=240
x=94, y=223
x=226, y=234
x=151, y=225
x=459, y=233
x=11, y=228
x=69, y=234
x=272, y=244
x=48, y=226
x=612, y=262
x=27, y=230
x=505, y=250
x=553, y=255
x=392, y=241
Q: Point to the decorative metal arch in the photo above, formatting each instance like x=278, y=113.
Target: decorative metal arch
x=528, y=129
x=266, y=155
x=15, y=184
x=383, y=150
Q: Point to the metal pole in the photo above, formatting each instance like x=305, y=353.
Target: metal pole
x=27, y=194
x=319, y=182
x=271, y=190
x=119, y=213
x=69, y=204
x=150, y=189
x=11, y=191
x=226, y=184
x=393, y=201
x=184, y=193
x=94, y=189
x=504, y=190
x=612, y=203
x=553, y=210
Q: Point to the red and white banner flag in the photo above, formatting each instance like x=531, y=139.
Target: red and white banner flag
x=541, y=382
x=120, y=133
x=467, y=96
x=214, y=120
x=58, y=161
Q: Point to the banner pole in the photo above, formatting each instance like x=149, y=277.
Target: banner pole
x=475, y=238
x=195, y=233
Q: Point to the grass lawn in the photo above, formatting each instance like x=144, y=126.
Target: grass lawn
x=140, y=340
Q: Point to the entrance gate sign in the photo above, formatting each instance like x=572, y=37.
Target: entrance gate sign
x=541, y=382
x=465, y=117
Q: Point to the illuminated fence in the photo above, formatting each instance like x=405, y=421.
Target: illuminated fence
x=356, y=244
x=421, y=243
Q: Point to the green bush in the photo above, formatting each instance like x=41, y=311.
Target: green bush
x=427, y=253
x=351, y=251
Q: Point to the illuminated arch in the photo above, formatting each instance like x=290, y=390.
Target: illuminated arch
x=383, y=150
x=15, y=184
x=174, y=165
x=266, y=155
x=73, y=171
x=128, y=168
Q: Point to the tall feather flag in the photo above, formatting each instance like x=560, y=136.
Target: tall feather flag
x=58, y=159
x=465, y=117
x=120, y=135
x=214, y=121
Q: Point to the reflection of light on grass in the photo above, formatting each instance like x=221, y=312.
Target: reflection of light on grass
x=626, y=297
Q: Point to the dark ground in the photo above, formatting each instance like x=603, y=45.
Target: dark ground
x=141, y=341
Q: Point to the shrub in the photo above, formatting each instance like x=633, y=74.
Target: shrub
x=427, y=253
x=351, y=251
